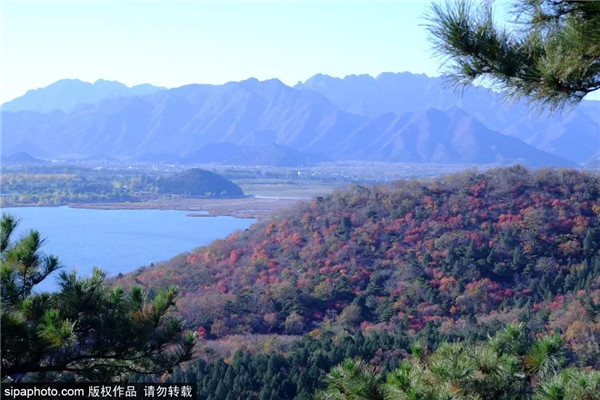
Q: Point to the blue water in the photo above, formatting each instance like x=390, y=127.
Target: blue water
x=118, y=241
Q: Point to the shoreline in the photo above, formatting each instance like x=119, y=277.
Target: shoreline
x=245, y=207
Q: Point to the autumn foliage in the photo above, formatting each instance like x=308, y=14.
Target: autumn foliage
x=454, y=253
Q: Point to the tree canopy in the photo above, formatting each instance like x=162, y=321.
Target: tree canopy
x=510, y=365
x=86, y=329
x=550, y=51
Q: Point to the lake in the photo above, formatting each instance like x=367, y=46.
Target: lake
x=118, y=241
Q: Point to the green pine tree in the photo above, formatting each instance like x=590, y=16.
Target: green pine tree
x=551, y=53
x=86, y=329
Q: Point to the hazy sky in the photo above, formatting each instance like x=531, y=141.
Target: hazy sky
x=172, y=43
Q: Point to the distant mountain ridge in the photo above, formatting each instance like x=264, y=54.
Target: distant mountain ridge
x=572, y=134
x=435, y=136
x=268, y=123
x=66, y=94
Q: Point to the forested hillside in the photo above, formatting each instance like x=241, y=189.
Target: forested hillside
x=459, y=255
x=199, y=182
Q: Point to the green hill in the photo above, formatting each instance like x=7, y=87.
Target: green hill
x=199, y=182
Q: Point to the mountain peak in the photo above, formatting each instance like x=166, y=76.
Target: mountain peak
x=253, y=85
x=252, y=80
x=65, y=81
x=362, y=78
x=317, y=80
x=66, y=94
x=394, y=117
x=105, y=82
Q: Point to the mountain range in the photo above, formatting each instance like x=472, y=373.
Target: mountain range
x=394, y=117
x=65, y=94
x=573, y=134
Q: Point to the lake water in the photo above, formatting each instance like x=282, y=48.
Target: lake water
x=118, y=240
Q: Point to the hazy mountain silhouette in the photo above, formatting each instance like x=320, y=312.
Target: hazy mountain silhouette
x=572, y=134
x=66, y=94
x=269, y=123
x=180, y=122
x=440, y=137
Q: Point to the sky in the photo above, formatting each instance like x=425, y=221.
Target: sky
x=173, y=43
